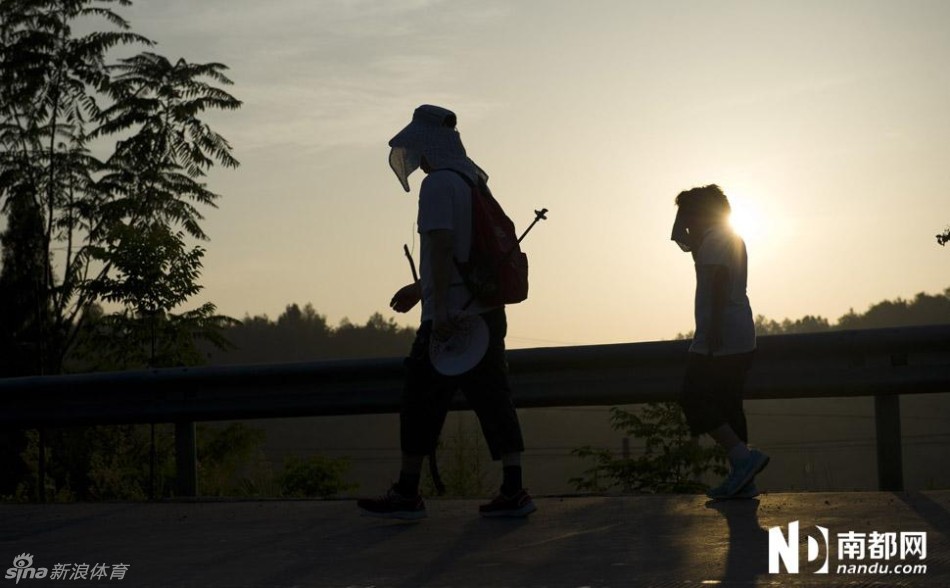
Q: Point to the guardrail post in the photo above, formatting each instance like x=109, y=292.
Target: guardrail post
x=887, y=427
x=186, y=459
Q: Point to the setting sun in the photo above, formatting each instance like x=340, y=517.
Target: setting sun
x=745, y=223
x=747, y=220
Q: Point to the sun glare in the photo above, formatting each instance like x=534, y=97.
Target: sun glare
x=747, y=221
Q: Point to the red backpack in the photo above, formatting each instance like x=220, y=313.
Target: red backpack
x=496, y=272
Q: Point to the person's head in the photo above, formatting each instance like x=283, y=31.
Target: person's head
x=699, y=209
x=431, y=142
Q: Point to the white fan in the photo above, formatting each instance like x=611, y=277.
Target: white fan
x=463, y=349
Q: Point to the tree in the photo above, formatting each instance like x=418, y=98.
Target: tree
x=806, y=324
x=23, y=300
x=58, y=96
x=924, y=309
x=49, y=78
x=83, y=230
x=302, y=334
x=153, y=180
x=944, y=237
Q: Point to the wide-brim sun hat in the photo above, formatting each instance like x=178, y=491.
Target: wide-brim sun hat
x=431, y=134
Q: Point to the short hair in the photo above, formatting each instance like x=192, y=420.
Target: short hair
x=706, y=200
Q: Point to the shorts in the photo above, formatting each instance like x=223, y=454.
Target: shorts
x=712, y=392
x=427, y=394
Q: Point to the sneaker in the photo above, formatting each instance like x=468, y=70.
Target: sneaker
x=519, y=505
x=741, y=475
x=394, y=505
x=747, y=491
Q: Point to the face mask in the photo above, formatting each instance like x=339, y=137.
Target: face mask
x=403, y=162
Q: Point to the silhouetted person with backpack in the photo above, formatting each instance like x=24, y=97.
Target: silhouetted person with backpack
x=432, y=143
x=724, y=341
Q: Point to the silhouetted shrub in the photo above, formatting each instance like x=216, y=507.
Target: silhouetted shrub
x=672, y=461
x=314, y=477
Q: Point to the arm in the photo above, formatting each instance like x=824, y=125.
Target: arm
x=406, y=297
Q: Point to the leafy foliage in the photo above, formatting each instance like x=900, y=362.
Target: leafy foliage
x=154, y=175
x=314, y=477
x=672, y=461
x=153, y=271
x=924, y=309
x=302, y=334
x=113, y=230
x=83, y=230
x=224, y=455
x=943, y=237
x=49, y=80
x=463, y=462
x=114, y=463
x=122, y=341
x=23, y=298
x=806, y=324
x=100, y=463
x=153, y=179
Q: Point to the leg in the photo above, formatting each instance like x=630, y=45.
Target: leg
x=487, y=390
x=728, y=376
x=426, y=397
x=712, y=401
x=488, y=393
x=512, y=478
x=746, y=463
x=731, y=383
x=698, y=396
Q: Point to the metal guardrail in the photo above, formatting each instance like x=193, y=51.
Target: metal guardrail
x=883, y=363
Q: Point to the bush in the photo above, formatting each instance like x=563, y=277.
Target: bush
x=463, y=460
x=230, y=460
x=672, y=460
x=316, y=476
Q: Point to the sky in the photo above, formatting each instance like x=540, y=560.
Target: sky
x=826, y=124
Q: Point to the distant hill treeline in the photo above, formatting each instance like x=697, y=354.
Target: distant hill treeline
x=302, y=334
x=924, y=309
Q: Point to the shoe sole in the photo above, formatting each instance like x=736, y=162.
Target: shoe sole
x=400, y=515
x=736, y=496
x=521, y=512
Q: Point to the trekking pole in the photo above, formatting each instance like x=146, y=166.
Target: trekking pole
x=412, y=263
x=538, y=215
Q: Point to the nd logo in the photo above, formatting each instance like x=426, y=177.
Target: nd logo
x=786, y=548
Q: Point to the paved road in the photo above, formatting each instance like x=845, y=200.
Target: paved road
x=664, y=541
